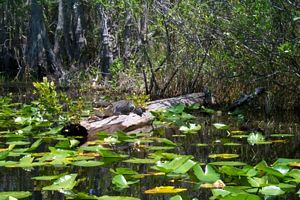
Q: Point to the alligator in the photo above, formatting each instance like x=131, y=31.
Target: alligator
x=246, y=98
x=123, y=107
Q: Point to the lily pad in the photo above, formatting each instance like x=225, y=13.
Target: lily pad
x=228, y=163
x=15, y=195
x=120, y=181
x=224, y=155
x=165, y=190
x=221, y=126
x=191, y=129
x=208, y=176
x=87, y=163
x=66, y=182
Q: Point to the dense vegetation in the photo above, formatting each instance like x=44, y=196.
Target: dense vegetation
x=151, y=165
x=98, y=51
x=167, y=47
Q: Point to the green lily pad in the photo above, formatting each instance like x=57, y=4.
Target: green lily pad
x=191, y=129
x=282, y=135
x=228, y=163
x=208, y=176
x=87, y=163
x=116, y=198
x=256, y=138
x=120, y=181
x=224, y=155
x=47, y=178
x=221, y=126
x=66, y=182
x=14, y=194
x=141, y=161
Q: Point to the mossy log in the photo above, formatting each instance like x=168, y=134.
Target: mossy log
x=134, y=122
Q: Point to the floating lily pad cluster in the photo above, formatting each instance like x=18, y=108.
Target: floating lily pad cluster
x=28, y=142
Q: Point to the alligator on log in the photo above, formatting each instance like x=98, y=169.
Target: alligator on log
x=246, y=98
x=139, y=123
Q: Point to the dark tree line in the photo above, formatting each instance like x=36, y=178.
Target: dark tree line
x=176, y=46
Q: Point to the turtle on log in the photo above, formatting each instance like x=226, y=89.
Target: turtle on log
x=123, y=107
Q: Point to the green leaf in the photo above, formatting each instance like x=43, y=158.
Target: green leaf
x=255, y=138
x=228, y=163
x=179, y=108
x=66, y=182
x=16, y=195
x=124, y=171
x=224, y=155
x=141, y=161
x=181, y=163
x=192, y=128
x=221, y=126
x=272, y=191
x=177, y=197
x=87, y=163
x=120, y=182
x=209, y=176
x=185, y=167
x=241, y=196
x=4, y=155
x=116, y=198
x=47, y=178
x=263, y=166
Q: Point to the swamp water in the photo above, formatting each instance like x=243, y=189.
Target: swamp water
x=121, y=166
x=206, y=145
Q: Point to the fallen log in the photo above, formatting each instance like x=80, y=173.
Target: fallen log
x=136, y=123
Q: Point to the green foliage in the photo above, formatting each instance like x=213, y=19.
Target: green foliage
x=139, y=100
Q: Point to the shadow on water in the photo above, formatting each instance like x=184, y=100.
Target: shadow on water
x=97, y=180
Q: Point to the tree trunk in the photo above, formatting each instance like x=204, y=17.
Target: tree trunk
x=80, y=40
x=106, y=55
x=39, y=55
x=127, y=34
x=59, y=29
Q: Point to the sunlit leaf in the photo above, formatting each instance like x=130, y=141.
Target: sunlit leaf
x=47, y=178
x=165, y=190
x=14, y=194
x=232, y=144
x=255, y=138
x=223, y=155
x=282, y=135
x=208, y=176
x=201, y=145
x=272, y=190
x=120, y=181
x=66, y=182
x=181, y=163
x=157, y=148
x=294, y=164
x=192, y=128
x=221, y=126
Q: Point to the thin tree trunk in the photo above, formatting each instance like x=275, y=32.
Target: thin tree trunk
x=127, y=34
x=80, y=40
x=59, y=29
x=106, y=55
